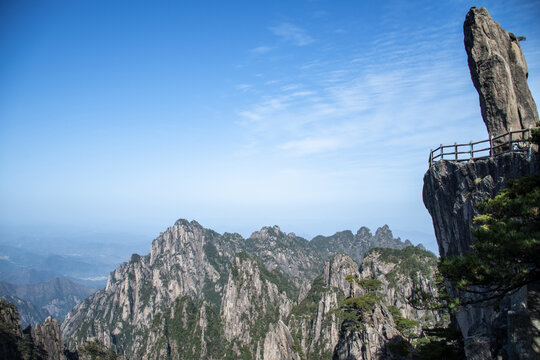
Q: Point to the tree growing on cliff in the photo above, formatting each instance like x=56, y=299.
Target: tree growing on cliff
x=504, y=256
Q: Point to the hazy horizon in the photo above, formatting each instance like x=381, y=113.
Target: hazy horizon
x=316, y=116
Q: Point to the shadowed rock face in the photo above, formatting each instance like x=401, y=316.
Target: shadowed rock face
x=453, y=189
x=499, y=73
x=42, y=342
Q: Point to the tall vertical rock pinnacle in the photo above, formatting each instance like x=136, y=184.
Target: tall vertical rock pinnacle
x=499, y=73
x=453, y=189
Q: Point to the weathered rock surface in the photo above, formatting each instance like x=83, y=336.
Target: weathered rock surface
x=251, y=296
x=278, y=343
x=10, y=331
x=372, y=341
x=499, y=73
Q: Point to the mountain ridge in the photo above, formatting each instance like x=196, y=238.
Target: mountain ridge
x=214, y=290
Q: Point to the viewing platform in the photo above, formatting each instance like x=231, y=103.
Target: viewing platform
x=512, y=141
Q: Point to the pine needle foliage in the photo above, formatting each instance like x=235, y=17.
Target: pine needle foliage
x=504, y=256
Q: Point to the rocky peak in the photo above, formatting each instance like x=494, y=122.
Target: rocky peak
x=356, y=245
x=176, y=238
x=499, y=73
x=267, y=232
x=48, y=337
x=384, y=232
x=364, y=233
x=289, y=253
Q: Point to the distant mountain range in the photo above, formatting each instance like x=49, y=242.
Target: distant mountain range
x=84, y=259
x=36, y=302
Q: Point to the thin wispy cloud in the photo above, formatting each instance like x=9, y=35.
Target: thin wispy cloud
x=261, y=50
x=292, y=34
x=377, y=99
x=244, y=87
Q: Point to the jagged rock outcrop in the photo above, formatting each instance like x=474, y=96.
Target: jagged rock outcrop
x=43, y=342
x=47, y=336
x=404, y=273
x=187, y=266
x=499, y=73
x=453, y=189
x=289, y=253
x=375, y=334
x=358, y=244
x=10, y=331
x=314, y=322
x=373, y=341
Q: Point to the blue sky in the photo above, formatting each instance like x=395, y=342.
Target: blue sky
x=317, y=116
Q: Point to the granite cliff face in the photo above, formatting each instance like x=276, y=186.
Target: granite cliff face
x=499, y=73
x=401, y=274
x=202, y=295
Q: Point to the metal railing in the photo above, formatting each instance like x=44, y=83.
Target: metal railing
x=518, y=141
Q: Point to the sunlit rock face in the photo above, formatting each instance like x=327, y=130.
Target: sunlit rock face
x=499, y=73
x=203, y=295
